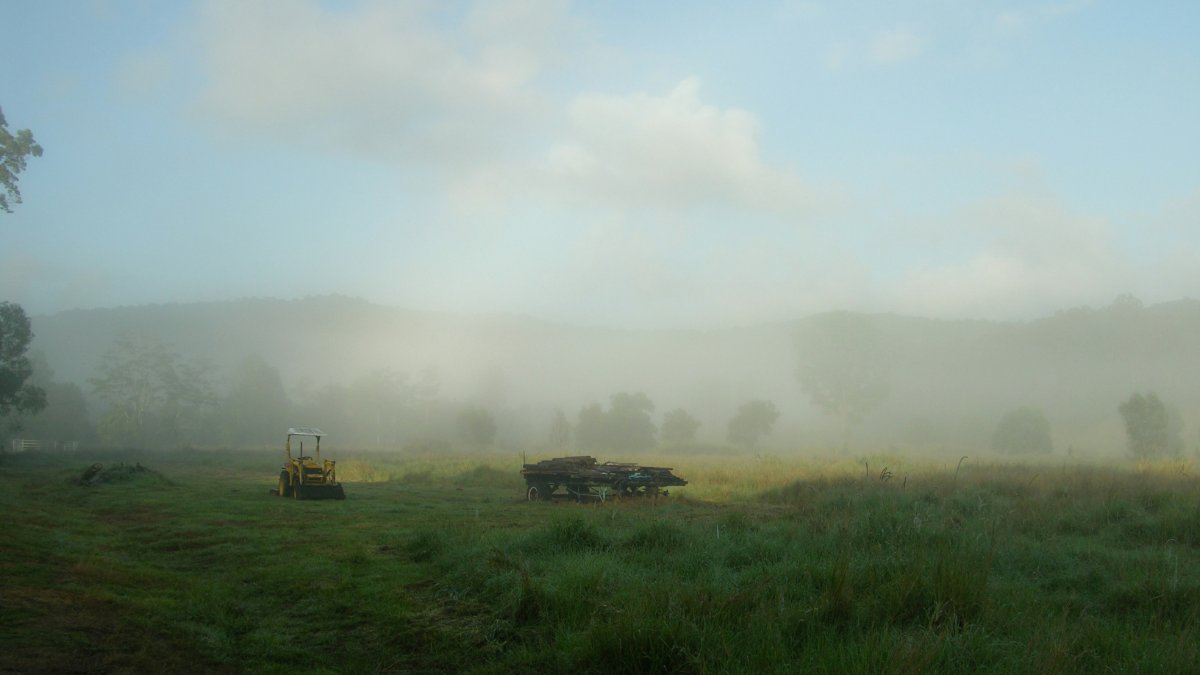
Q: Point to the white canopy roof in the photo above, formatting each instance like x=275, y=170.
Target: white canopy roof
x=305, y=431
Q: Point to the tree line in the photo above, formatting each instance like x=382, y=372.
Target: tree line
x=154, y=398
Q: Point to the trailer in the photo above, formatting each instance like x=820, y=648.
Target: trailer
x=582, y=478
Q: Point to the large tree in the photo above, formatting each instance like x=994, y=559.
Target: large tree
x=379, y=403
x=256, y=409
x=1023, y=431
x=17, y=396
x=753, y=420
x=477, y=427
x=65, y=417
x=626, y=425
x=629, y=423
x=14, y=149
x=1147, y=426
x=679, y=427
x=560, y=432
x=591, y=432
x=844, y=367
x=154, y=398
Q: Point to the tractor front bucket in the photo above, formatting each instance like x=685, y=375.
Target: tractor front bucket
x=318, y=491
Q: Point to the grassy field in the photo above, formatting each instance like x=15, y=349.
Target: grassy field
x=760, y=565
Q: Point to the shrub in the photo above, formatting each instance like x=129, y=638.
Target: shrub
x=1023, y=431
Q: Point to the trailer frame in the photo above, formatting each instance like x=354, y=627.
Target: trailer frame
x=581, y=478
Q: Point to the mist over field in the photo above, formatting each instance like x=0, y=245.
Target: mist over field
x=376, y=377
x=906, y=295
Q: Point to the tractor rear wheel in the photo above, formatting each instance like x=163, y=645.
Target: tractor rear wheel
x=285, y=484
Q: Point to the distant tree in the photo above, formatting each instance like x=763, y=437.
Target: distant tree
x=560, y=432
x=626, y=425
x=591, y=432
x=326, y=407
x=65, y=417
x=255, y=410
x=14, y=149
x=1023, y=431
x=629, y=424
x=378, y=401
x=17, y=396
x=844, y=367
x=153, y=397
x=753, y=420
x=1147, y=426
x=477, y=427
x=679, y=427
x=1175, y=430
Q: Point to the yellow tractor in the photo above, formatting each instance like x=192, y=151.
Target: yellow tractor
x=305, y=477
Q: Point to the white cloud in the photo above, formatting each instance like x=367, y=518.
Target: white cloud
x=1012, y=22
x=894, y=45
x=671, y=151
x=1031, y=256
x=384, y=80
x=886, y=47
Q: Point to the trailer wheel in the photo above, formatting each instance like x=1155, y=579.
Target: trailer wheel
x=538, y=492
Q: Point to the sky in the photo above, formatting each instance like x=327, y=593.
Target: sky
x=623, y=164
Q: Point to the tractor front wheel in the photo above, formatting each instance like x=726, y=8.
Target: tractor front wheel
x=285, y=484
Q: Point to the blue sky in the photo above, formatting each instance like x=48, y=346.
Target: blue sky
x=621, y=164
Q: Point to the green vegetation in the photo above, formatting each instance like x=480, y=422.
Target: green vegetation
x=1148, y=427
x=437, y=565
x=753, y=419
x=626, y=424
x=1023, y=431
x=679, y=427
x=14, y=153
x=845, y=367
x=17, y=396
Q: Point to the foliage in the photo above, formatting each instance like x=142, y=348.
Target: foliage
x=1147, y=426
x=1023, y=431
x=14, y=149
x=477, y=427
x=17, y=396
x=154, y=398
x=630, y=426
x=377, y=401
x=384, y=409
x=255, y=410
x=625, y=426
x=65, y=417
x=753, y=420
x=844, y=367
x=560, y=432
x=592, y=429
x=679, y=427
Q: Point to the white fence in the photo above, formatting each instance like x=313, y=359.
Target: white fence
x=26, y=444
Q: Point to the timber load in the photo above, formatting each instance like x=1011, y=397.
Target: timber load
x=582, y=478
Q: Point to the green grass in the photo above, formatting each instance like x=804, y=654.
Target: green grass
x=759, y=565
